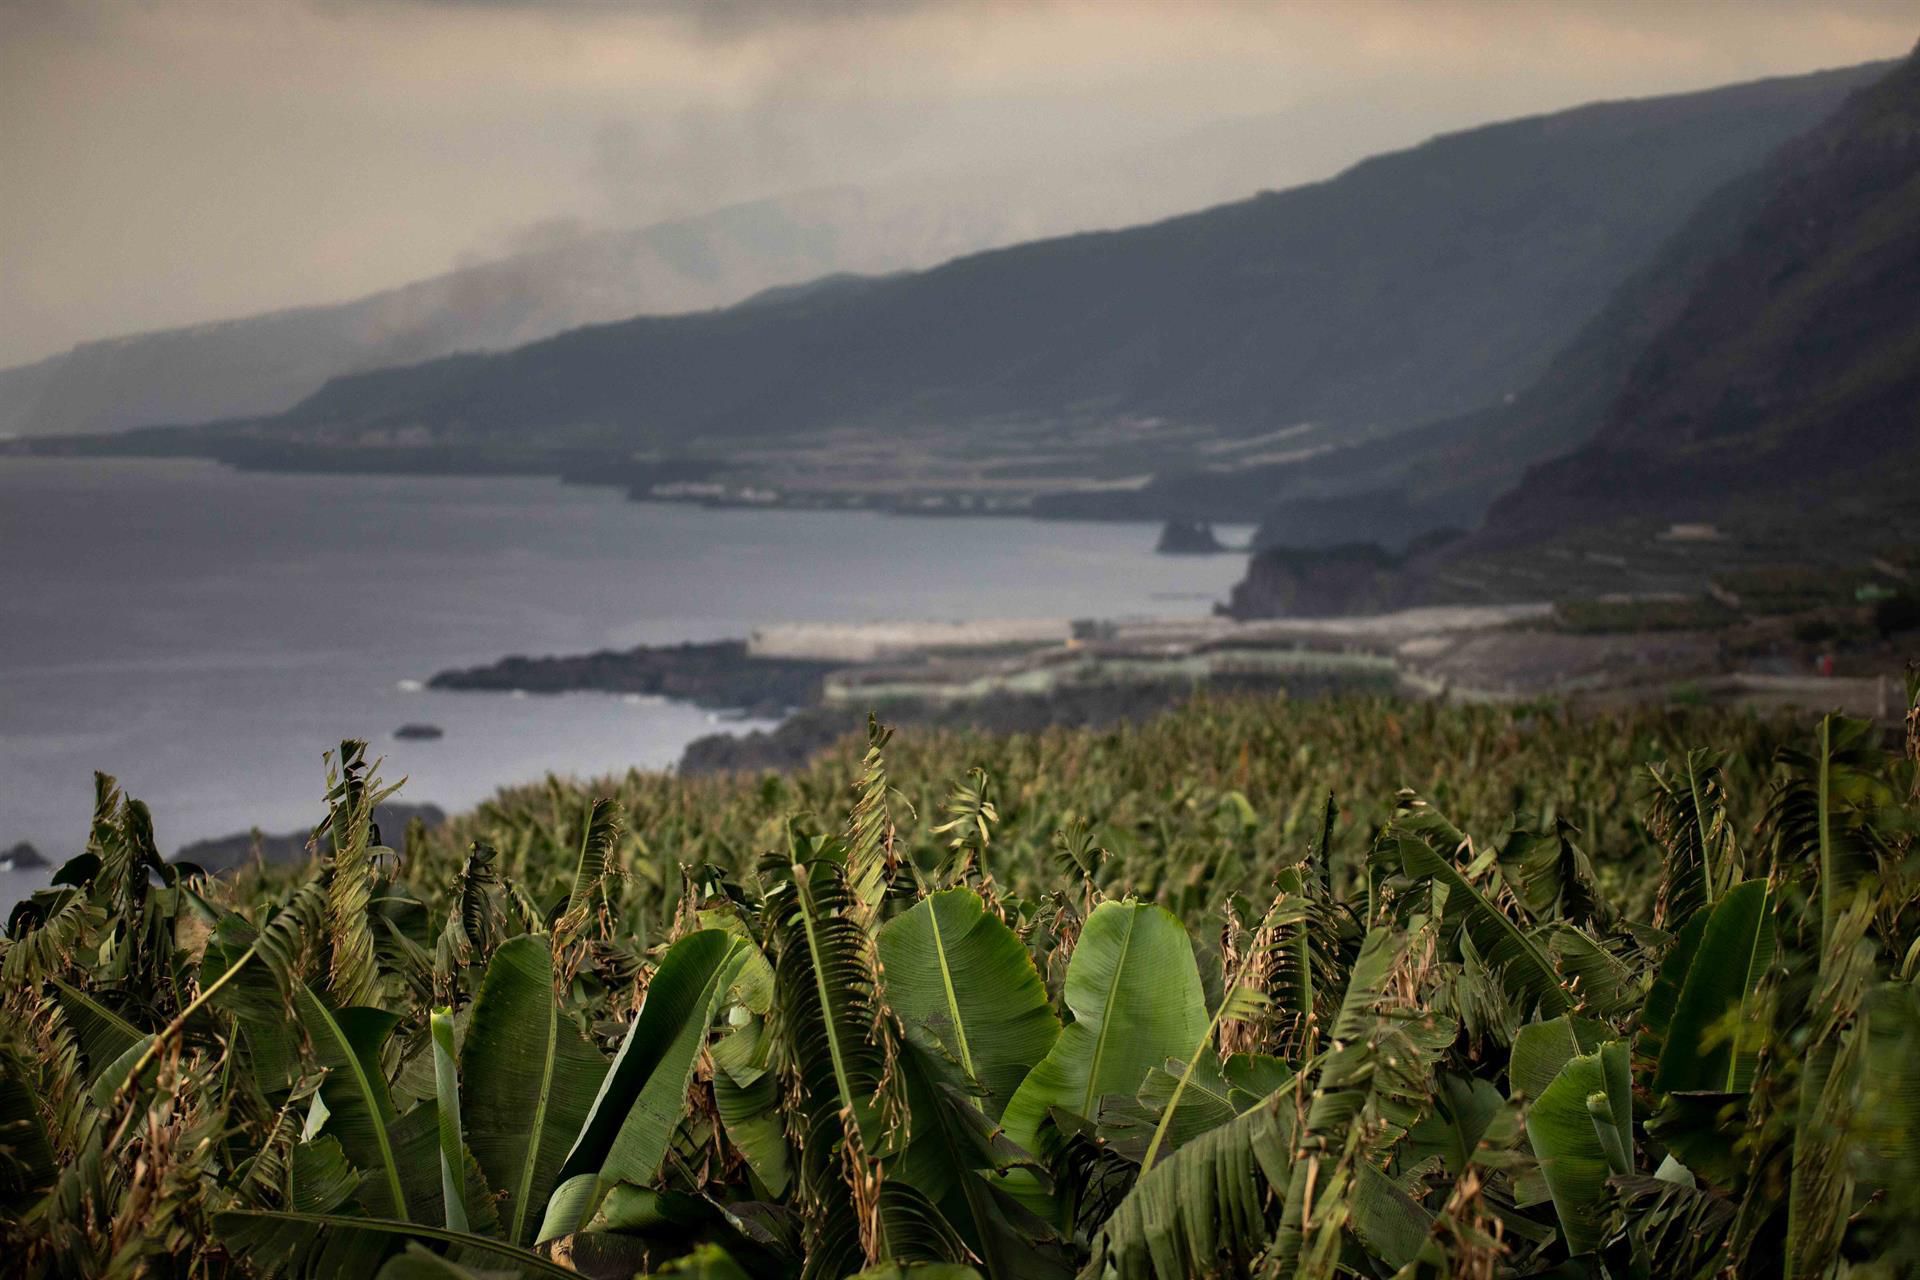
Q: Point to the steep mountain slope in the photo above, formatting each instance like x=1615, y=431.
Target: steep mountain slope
x=1444, y=474
x=1796, y=358
x=263, y=364
x=1415, y=285
x=1762, y=374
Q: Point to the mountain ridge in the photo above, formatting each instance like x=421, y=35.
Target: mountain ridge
x=1757, y=387
x=264, y=362
x=566, y=275
x=1804, y=331
x=1349, y=305
x=1000, y=301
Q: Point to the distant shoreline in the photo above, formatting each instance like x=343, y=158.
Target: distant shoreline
x=715, y=676
x=818, y=680
x=1128, y=677
x=709, y=483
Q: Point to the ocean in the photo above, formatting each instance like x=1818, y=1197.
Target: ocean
x=205, y=634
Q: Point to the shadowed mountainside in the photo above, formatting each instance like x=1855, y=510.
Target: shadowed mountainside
x=1417, y=284
x=563, y=276
x=1794, y=360
x=265, y=363
x=1763, y=372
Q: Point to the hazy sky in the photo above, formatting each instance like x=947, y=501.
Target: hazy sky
x=169, y=161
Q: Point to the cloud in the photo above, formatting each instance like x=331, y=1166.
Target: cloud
x=180, y=161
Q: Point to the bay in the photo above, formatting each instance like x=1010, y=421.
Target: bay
x=205, y=634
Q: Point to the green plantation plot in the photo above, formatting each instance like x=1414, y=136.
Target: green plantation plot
x=1350, y=988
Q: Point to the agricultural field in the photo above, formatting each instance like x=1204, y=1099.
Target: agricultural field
x=1352, y=987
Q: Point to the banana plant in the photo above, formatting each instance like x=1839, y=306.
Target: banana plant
x=1677, y=1041
x=1133, y=988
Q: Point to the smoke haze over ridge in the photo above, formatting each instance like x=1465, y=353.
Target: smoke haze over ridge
x=177, y=163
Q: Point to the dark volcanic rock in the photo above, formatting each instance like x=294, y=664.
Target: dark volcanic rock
x=1387, y=518
x=22, y=857
x=1188, y=538
x=717, y=675
x=1294, y=582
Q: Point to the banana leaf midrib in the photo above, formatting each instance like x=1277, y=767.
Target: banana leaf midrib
x=365, y=1089
x=537, y=1132
x=1106, y=1016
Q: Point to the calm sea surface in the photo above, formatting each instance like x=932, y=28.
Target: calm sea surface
x=204, y=635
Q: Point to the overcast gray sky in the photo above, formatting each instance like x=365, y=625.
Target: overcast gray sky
x=172, y=161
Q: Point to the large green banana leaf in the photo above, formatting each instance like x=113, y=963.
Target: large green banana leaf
x=453, y=1150
x=109, y=1080
x=642, y=1097
x=746, y=1092
x=961, y=974
x=1134, y=991
x=1293, y=988
x=1390, y=1223
x=320, y=1178
x=322, y=1186
x=1550, y=874
x=1202, y=1081
x=421, y=1263
x=258, y=1002
x=103, y=1034
x=956, y=1158
x=1724, y=972
x=1581, y=1130
x=1607, y=985
x=596, y=847
x=528, y=1078
x=1180, y=1101
x=1663, y=997
x=1204, y=1210
x=418, y=1156
x=1689, y=815
x=1463, y=1107
x=1541, y=1049
x=1527, y=970
x=1369, y=1089
x=271, y=1239
x=360, y=1109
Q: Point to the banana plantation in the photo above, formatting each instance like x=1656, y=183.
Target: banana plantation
x=1257, y=988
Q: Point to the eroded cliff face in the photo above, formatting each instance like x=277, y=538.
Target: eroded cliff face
x=1289, y=582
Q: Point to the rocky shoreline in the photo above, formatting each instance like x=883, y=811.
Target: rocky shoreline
x=820, y=682
x=717, y=676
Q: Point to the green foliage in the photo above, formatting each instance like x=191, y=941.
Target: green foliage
x=625, y=1136
x=1576, y=1042
x=1581, y=1129
x=1134, y=994
x=528, y=1078
x=958, y=975
x=1700, y=1050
